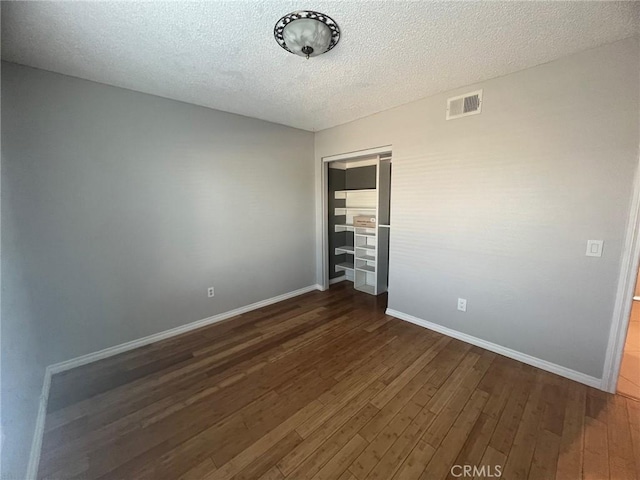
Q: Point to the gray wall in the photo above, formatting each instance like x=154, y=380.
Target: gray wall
x=119, y=209
x=497, y=207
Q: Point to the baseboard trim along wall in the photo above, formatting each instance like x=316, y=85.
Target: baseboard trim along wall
x=36, y=444
x=124, y=347
x=507, y=352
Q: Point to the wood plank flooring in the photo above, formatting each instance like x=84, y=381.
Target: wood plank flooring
x=629, y=380
x=326, y=386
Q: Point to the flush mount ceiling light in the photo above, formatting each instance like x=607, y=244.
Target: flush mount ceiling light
x=307, y=33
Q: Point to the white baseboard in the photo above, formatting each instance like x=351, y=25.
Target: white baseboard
x=507, y=352
x=124, y=347
x=337, y=280
x=36, y=444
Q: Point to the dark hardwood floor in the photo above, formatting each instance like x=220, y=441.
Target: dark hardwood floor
x=325, y=385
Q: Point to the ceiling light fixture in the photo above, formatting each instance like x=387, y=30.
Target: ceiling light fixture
x=307, y=33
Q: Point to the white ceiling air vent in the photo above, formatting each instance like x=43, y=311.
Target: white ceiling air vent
x=467, y=104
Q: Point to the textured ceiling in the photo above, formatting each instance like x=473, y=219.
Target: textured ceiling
x=223, y=55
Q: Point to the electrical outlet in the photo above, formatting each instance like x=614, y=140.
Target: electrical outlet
x=210, y=292
x=462, y=304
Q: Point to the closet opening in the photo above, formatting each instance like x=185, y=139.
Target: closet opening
x=358, y=222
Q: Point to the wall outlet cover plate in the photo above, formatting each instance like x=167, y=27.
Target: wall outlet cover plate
x=594, y=248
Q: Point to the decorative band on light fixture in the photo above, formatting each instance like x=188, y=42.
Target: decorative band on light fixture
x=307, y=33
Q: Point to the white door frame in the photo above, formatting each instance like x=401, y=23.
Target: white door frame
x=629, y=264
x=324, y=245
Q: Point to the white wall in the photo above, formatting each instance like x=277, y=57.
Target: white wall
x=120, y=209
x=497, y=207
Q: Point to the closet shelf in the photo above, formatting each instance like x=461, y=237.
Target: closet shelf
x=366, y=268
x=366, y=247
x=344, y=266
x=373, y=209
x=345, y=248
x=369, y=258
x=342, y=192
